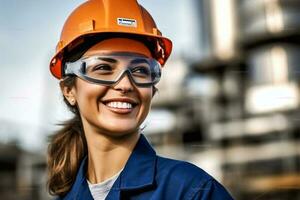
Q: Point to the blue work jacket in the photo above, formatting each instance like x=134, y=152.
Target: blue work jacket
x=147, y=176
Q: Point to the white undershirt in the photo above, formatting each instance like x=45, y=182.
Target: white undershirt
x=99, y=191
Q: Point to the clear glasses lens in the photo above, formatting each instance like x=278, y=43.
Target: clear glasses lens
x=108, y=69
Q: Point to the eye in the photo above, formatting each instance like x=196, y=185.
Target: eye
x=102, y=67
x=141, y=70
x=99, y=69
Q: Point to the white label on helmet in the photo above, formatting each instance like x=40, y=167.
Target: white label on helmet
x=127, y=22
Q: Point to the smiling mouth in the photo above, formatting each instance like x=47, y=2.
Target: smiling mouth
x=120, y=107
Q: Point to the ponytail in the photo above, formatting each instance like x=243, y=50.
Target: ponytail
x=66, y=150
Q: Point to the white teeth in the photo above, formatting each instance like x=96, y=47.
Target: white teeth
x=118, y=104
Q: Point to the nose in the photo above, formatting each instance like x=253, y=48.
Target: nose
x=124, y=84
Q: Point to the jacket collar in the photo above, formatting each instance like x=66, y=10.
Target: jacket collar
x=139, y=171
x=80, y=187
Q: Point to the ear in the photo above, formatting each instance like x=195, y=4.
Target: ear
x=69, y=93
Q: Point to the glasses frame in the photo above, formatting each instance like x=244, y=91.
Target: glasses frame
x=75, y=68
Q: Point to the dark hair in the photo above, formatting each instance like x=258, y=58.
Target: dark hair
x=66, y=150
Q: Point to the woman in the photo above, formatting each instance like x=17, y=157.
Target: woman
x=109, y=59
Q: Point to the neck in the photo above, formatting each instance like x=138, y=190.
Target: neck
x=108, y=155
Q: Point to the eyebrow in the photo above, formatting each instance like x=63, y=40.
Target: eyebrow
x=135, y=61
x=111, y=60
x=139, y=60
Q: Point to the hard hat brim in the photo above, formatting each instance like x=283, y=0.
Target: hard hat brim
x=57, y=60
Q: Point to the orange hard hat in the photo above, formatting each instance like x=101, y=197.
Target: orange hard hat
x=104, y=19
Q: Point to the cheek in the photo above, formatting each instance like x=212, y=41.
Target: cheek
x=88, y=94
x=146, y=93
x=146, y=97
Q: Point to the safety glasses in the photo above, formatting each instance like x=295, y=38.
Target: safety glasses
x=108, y=69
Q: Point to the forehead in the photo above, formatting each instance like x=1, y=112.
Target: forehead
x=119, y=45
x=117, y=58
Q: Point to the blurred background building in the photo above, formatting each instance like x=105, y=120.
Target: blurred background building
x=228, y=101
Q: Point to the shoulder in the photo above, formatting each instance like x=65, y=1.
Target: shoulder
x=194, y=182
x=181, y=169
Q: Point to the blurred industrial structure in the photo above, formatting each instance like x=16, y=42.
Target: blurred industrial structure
x=234, y=110
x=22, y=173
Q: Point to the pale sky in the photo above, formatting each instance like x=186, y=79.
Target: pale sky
x=30, y=102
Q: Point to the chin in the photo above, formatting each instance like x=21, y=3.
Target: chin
x=120, y=125
x=123, y=130
x=121, y=133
